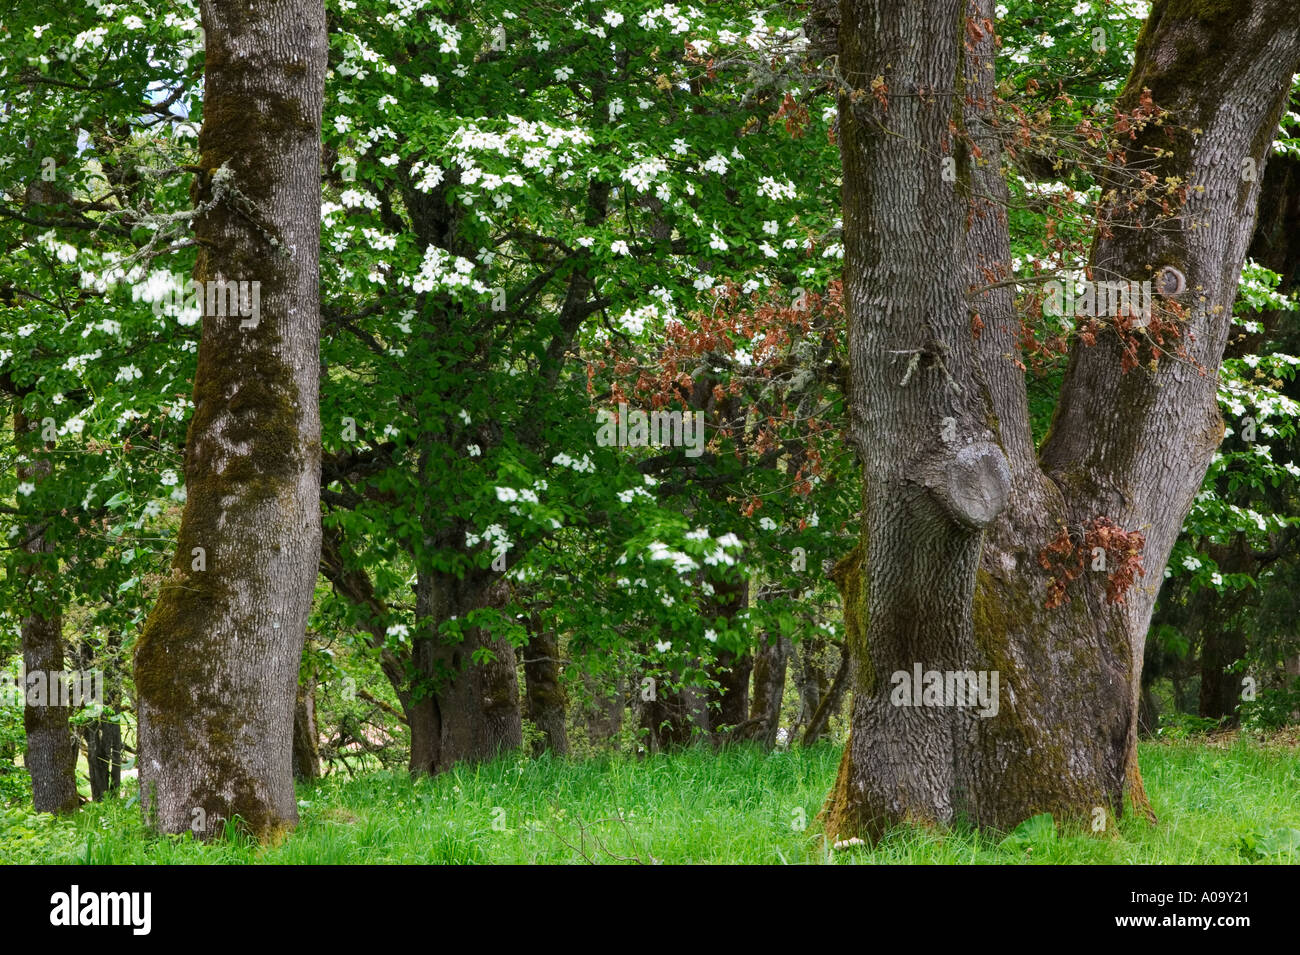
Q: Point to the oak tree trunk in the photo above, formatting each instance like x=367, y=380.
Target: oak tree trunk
x=103, y=734
x=957, y=512
x=217, y=664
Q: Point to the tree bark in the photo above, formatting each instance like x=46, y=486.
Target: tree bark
x=51, y=757
x=728, y=703
x=306, y=735
x=469, y=711
x=103, y=734
x=770, y=662
x=217, y=663
x=603, y=713
x=953, y=526
x=547, y=702
x=819, y=723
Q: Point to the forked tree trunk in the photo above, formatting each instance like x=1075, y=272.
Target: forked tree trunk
x=217, y=664
x=956, y=513
x=51, y=757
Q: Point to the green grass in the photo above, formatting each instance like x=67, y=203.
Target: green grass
x=743, y=805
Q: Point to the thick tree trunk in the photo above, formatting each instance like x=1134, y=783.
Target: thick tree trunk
x=547, y=703
x=51, y=746
x=217, y=664
x=770, y=662
x=958, y=511
x=470, y=711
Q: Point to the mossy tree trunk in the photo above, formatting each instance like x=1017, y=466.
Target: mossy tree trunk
x=956, y=513
x=216, y=666
x=51, y=757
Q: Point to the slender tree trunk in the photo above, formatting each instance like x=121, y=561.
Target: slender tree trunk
x=103, y=734
x=217, y=664
x=958, y=511
x=306, y=735
x=770, y=661
x=547, y=702
x=51, y=746
x=812, y=682
x=819, y=724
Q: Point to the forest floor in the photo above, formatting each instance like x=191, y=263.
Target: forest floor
x=1218, y=801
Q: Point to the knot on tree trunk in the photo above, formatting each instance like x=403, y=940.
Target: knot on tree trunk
x=972, y=485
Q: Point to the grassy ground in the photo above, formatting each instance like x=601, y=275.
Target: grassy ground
x=1218, y=802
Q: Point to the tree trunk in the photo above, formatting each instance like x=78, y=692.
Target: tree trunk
x=544, y=688
x=729, y=703
x=770, y=662
x=103, y=734
x=674, y=718
x=306, y=735
x=819, y=724
x=51, y=746
x=470, y=710
x=217, y=664
x=958, y=512
x=603, y=713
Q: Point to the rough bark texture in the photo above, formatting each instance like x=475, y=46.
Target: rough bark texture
x=217, y=664
x=948, y=575
x=673, y=719
x=51, y=757
x=544, y=688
